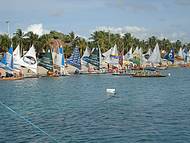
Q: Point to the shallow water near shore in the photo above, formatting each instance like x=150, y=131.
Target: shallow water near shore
x=77, y=109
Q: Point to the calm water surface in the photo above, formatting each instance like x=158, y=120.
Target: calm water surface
x=77, y=109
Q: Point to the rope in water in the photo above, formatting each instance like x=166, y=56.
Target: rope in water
x=28, y=121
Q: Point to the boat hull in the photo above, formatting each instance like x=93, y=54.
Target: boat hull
x=146, y=76
x=11, y=78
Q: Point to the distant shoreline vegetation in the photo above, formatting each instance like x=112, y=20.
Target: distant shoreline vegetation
x=102, y=39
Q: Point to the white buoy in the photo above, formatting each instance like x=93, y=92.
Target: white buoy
x=111, y=90
x=169, y=74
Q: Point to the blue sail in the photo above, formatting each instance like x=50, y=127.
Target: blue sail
x=7, y=61
x=170, y=56
x=74, y=60
x=185, y=54
x=3, y=60
x=61, y=52
x=9, y=57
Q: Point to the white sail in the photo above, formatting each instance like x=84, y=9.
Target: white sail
x=188, y=56
x=140, y=56
x=29, y=60
x=180, y=53
x=107, y=55
x=100, y=57
x=155, y=57
x=136, y=52
x=57, y=58
x=16, y=58
x=129, y=55
x=9, y=57
x=149, y=52
x=143, y=60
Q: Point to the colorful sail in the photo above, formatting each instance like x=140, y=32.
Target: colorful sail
x=7, y=61
x=9, y=57
x=111, y=56
x=170, y=56
x=57, y=58
x=62, y=56
x=74, y=60
x=46, y=61
x=114, y=56
x=185, y=54
x=29, y=60
x=3, y=60
x=94, y=58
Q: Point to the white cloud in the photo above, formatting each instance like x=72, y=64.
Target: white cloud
x=173, y=36
x=36, y=29
x=139, y=32
x=143, y=33
x=121, y=30
x=82, y=36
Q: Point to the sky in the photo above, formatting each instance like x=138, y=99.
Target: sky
x=143, y=18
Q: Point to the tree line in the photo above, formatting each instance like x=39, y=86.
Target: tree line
x=102, y=39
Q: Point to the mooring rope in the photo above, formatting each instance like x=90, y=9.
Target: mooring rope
x=29, y=122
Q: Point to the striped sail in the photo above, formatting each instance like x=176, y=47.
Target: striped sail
x=94, y=58
x=74, y=59
x=86, y=53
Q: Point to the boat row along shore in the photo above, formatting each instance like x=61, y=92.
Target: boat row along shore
x=52, y=63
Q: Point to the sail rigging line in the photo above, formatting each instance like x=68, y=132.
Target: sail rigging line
x=28, y=121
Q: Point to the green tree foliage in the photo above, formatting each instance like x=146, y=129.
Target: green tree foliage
x=5, y=42
x=102, y=39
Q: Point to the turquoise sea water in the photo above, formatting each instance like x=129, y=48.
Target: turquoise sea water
x=77, y=109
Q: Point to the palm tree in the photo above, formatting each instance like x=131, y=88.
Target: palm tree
x=18, y=39
x=152, y=42
x=31, y=38
x=82, y=44
x=128, y=41
x=101, y=39
x=178, y=44
x=5, y=42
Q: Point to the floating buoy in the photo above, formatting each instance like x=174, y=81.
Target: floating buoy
x=111, y=90
x=169, y=74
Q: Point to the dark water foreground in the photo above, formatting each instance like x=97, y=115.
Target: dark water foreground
x=77, y=109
